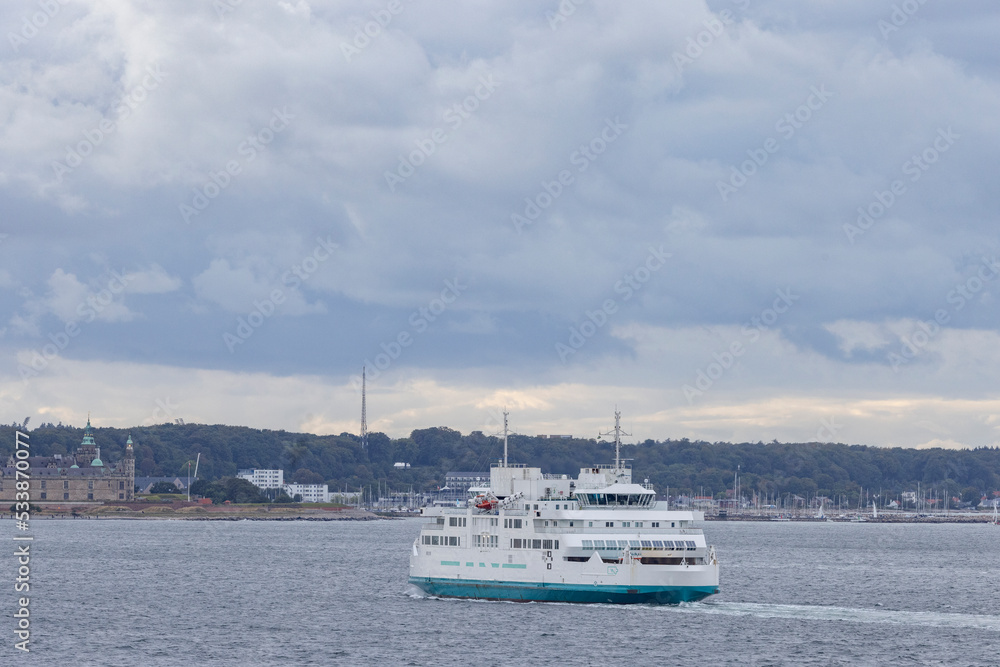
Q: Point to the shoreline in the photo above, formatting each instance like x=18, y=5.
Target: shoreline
x=954, y=518
x=238, y=513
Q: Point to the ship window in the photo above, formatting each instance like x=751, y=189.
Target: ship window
x=452, y=521
x=622, y=544
x=434, y=539
x=536, y=505
x=646, y=544
x=656, y=524
x=667, y=544
x=658, y=544
x=691, y=545
x=517, y=523
x=598, y=544
x=516, y=543
x=546, y=544
x=588, y=544
x=536, y=544
x=527, y=507
x=671, y=524
x=557, y=545
x=609, y=524
x=546, y=523
x=626, y=524
x=634, y=544
x=638, y=524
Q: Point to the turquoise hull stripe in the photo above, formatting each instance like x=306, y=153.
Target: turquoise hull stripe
x=544, y=592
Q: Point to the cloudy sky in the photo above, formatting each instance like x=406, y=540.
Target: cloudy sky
x=735, y=220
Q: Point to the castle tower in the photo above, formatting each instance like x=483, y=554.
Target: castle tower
x=87, y=451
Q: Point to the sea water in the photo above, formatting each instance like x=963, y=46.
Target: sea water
x=119, y=592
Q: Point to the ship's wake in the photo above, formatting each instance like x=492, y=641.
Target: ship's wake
x=846, y=614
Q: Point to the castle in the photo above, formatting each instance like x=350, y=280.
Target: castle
x=79, y=477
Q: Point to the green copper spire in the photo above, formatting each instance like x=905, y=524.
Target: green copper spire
x=88, y=438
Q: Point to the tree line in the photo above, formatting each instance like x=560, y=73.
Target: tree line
x=685, y=466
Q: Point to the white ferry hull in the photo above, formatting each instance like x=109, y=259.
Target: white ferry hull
x=597, y=538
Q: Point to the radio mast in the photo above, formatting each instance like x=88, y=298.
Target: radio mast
x=364, y=414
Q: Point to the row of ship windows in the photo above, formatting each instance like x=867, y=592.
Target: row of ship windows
x=534, y=544
x=676, y=545
x=442, y=540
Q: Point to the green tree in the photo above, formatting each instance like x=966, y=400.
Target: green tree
x=164, y=487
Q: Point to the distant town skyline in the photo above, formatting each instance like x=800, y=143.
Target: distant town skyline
x=733, y=220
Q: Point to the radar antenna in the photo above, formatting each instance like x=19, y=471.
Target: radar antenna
x=618, y=433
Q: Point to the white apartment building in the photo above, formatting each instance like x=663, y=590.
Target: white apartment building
x=263, y=479
x=311, y=493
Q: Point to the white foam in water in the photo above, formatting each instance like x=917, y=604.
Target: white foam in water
x=820, y=613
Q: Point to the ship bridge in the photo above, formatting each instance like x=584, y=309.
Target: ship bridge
x=616, y=495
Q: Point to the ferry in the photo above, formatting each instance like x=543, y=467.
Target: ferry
x=533, y=537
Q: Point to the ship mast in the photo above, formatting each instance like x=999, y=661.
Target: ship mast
x=618, y=439
x=505, y=413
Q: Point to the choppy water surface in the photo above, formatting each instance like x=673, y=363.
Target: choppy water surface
x=303, y=593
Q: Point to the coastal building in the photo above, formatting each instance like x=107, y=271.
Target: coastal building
x=310, y=493
x=78, y=477
x=144, y=484
x=263, y=479
x=461, y=481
